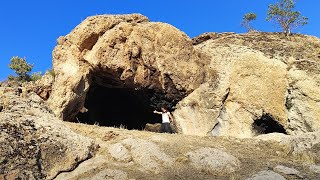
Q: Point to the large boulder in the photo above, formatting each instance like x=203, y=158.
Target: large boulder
x=123, y=51
x=34, y=144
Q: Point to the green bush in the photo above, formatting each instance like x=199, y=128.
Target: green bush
x=36, y=76
x=21, y=68
x=247, y=20
x=12, y=78
x=283, y=14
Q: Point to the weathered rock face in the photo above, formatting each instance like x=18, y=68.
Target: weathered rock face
x=220, y=84
x=34, y=144
x=262, y=87
x=125, y=51
x=41, y=87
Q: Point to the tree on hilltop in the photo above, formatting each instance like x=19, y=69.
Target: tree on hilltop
x=21, y=68
x=247, y=20
x=283, y=14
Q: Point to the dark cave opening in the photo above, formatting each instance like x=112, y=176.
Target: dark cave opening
x=120, y=107
x=267, y=124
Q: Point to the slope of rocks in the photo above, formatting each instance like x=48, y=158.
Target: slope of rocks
x=34, y=144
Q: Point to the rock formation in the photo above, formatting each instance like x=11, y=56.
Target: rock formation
x=223, y=84
x=34, y=144
x=261, y=76
x=125, y=51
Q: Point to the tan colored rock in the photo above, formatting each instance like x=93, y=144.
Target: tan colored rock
x=219, y=84
x=266, y=175
x=262, y=85
x=197, y=113
x=153, y=127
x=287, y=171
x=273, y=45
x=110, y=174
x=303, y=101
x=119, y=152
x=33, y=142
x=84, y=170
x=147, y=154
x=258, y=86
x=213, y=161
x=44, y=85
x=315, y=169
x=249, y=86
x=122, y=51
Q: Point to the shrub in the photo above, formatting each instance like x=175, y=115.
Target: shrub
x=12, y=78
x=21, y=68
x=283, y=14
x=36, y=76
x=247, y=20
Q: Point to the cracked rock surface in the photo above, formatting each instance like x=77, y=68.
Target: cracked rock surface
x=258, y=74
x=34, y=144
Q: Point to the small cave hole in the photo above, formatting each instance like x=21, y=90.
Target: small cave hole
x=267, y=124
x=127, y=108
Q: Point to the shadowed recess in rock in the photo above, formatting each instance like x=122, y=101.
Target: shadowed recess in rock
x=266, y=124
x=119, y=107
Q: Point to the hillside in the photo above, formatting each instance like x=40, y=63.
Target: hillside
x=246, y=106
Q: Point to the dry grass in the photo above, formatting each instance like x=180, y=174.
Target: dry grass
x=275, y=44
x=255, y=155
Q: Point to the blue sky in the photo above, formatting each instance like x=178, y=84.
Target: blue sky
x=30, y=28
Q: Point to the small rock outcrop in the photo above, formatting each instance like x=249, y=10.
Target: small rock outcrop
x=267, y=175
x=147, y=154
x=213, y=161
x=34, y=144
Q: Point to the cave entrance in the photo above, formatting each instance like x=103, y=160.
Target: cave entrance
x=267, y=124
x=119, y=107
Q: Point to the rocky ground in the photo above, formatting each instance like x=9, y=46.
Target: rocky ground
x=36, y=145
x=145, y=155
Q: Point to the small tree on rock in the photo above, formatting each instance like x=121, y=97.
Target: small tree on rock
x=247, y=20
x=283, y=14
x=21, y=68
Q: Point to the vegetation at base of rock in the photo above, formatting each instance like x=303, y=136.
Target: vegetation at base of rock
x=21, y=67
x=51, y=72
x=36, y=76
x=283, y=13
x=247, y=20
